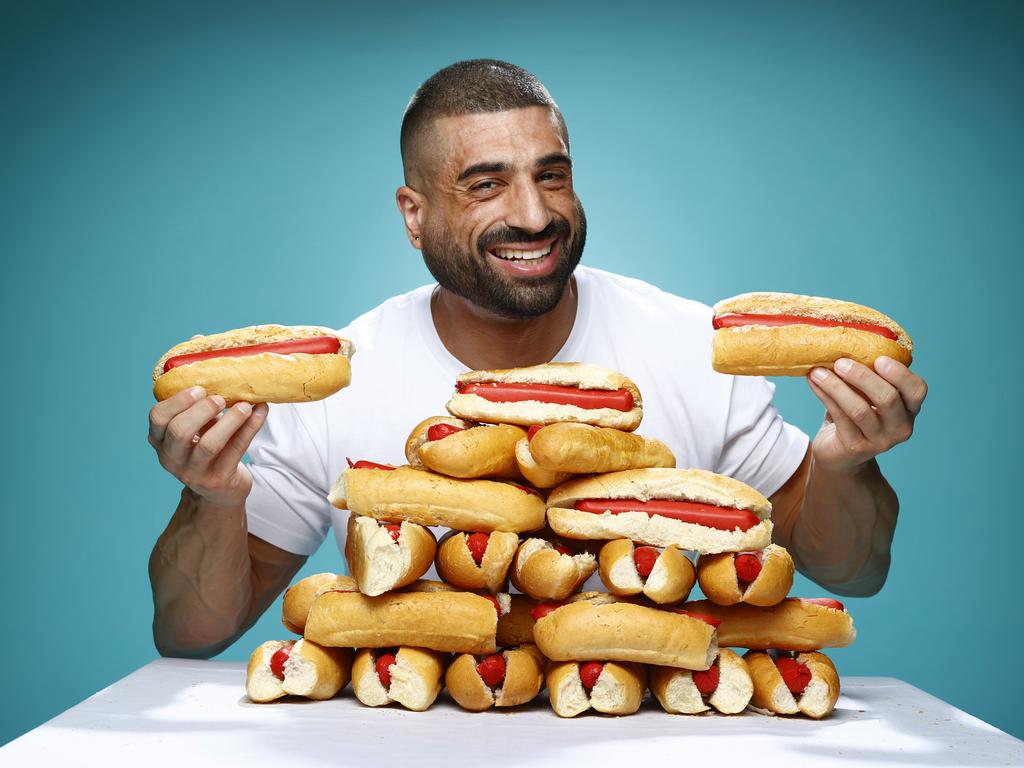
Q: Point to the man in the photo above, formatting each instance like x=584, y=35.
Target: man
x=489, y=201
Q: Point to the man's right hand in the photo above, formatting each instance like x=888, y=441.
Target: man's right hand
x=202, y=445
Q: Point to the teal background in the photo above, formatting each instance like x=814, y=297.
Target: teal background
x=187, y=168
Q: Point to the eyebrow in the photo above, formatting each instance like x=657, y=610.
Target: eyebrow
x=555, y=158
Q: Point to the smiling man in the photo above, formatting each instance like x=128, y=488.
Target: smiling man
x=489, y=200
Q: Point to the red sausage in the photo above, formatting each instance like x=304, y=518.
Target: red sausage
x=279, y=658
x=563, y=550
x=722, y=518
x=589, y=672
x=707, y=681
x=794, y=674
x=747, y=566
x=617, y=399
x=441, y=431
x=543, y=609
x=702, y=616
x=828, y=602
x=363, y=464
x=497, y=605
x=396, y=531
x=645, y=558
x=736, y=319
x=315, y=345
x=533, y=430
x=492, y=670
x=477, y=543
x=382, y=665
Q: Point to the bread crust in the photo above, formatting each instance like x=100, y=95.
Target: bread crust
x=670, y=580
x=586, y=449
x=524, y=676
x=455, y=622
x=545, y=574
x=310, y=671
x=415, y=678
x=620, y=631
x=455, y=562
x=719, y=582
x=619, y=689
x=792, y=625
x=298, y=598
x=477, y=451
x=536, y=475
x=267, y=377
x=678, y=694
x=515, y=627
x=380, y=564
x=428, y=498
x=771, y=694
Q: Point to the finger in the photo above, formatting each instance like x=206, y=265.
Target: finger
x=912, y=388
x=881, y=395
x=848, y=432
x=178, y=439
x=215, y=436
x=160, y=415
x=240, y=440
x=853, y=405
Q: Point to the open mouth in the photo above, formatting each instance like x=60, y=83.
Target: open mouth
x=518, y=254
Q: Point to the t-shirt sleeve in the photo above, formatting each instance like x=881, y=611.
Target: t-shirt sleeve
x=288, y=504
x=759, y=447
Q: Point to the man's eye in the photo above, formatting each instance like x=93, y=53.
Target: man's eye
x=484, y=186
x=552, y=176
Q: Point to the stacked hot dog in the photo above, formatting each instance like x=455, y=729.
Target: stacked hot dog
x=568, y=428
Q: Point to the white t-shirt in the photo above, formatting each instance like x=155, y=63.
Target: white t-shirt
x=402, y=373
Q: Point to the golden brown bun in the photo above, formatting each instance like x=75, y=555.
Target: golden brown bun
x=545, y=574
x=771, y=694
x=457, y=622
x=792, y=625
x=619, y=689
x=584, y=449
x=415, y=678
x=792, y=350
x=380, y=564
x=267, y=377
x=476, y=451
x=427, y=498
x=719, y=582
x=298, y=598
x=310, y=671
x=537, y=476
x=515, y=627
x=524, y=676
x=678, y=694
x=455, y=562
x=670, y=580
x=620, y=631
x=529, y=412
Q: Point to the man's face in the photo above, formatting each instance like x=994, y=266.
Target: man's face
x=502, y=226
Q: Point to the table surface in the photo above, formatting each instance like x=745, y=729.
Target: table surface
x=177, y=712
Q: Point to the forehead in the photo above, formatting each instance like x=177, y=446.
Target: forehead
x=516, y=136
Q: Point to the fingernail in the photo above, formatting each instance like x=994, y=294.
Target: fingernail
x=843, y=365
x=244, y=408
x=196, y=392
x=217, y=400
x=883, y=364
x=819, y=374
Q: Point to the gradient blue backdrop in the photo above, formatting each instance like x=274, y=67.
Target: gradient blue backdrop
x=184, y=169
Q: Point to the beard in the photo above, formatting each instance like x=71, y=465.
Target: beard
x=472, y=277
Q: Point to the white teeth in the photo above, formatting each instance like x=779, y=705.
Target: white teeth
x=510, y=254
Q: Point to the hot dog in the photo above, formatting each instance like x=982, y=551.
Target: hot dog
x=463, y=449
x=584, y=449
x=665, y=577
x=788, y=684
x=785, y=334
x=409, y=676
x=298, y=598
x=535, y=474
x=607, y=687
x=725, y=687
x=760, y=578
x=258, y=364
x=546, y=572
x=428, y=498
x=389, y=556
x=297, y=668
x=544, y=394
x=476, y=560
x=505, y=679
x=515, y=626
x=690, y=508
x=591, y=627
x=793, y=624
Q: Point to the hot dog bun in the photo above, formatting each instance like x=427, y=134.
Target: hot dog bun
x=528, y=412
x=792, y=350
x=310, y=671
x=457, y=622
x=619, y=689
x=792, y=625
x=618, y=631
x=719, y=582
x=524, y=676
x=427, y=498
x=298, y=598
x=380, y=564
x=772, y=696
x=669, y=582
x=696, y=485
x=415, y=678
x=678, y=694
x=583, y=449
x=515, y=627
x=266, y=377
x=476, y=451
x=536, y=475
x=545, y=574
x=455, y=562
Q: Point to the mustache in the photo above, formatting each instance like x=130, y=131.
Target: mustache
x=556, y=228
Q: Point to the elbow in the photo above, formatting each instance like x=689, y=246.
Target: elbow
x=868, y=582
x=181, y=645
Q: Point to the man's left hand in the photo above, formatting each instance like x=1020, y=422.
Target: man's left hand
x=867, y=411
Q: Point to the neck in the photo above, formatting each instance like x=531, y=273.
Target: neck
x=481, y=340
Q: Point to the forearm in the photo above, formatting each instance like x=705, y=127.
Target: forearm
x=843, y=535
x=200, y=571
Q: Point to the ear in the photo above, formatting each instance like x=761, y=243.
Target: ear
x=412, y=206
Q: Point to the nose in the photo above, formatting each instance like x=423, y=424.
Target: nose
x=528, y=208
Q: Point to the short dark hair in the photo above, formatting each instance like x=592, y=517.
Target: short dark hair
x=471, y=87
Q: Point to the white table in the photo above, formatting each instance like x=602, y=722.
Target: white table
x=184, y=714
